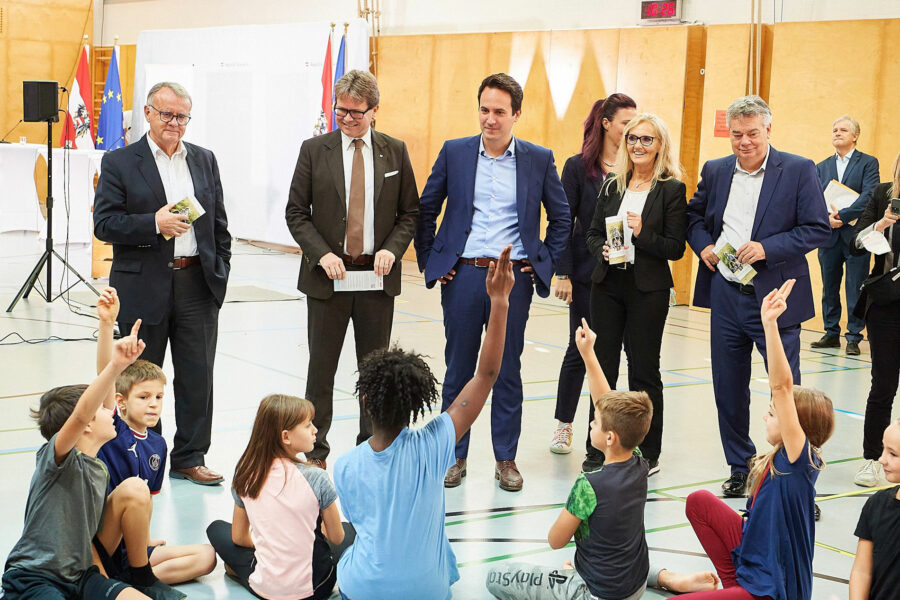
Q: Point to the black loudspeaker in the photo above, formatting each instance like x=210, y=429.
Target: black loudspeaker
x=40, y=100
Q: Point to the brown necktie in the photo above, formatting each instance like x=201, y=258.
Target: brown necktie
x=357, y=212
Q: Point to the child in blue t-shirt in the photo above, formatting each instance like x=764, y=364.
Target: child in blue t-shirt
x=876, y=568
x=769, y=551
x=393, y=484
x=138, y=451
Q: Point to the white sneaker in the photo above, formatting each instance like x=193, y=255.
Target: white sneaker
x=562, y=439
x=868, y=474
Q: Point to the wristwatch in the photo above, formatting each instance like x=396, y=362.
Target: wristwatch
x=562, y=277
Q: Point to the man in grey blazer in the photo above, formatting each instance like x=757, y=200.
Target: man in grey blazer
x=352, y=206
x=859, y=172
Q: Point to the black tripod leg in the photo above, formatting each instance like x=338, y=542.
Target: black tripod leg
x=29, y=283
x=74, y=272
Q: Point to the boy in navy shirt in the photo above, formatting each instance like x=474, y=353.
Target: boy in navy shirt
x=138, y=451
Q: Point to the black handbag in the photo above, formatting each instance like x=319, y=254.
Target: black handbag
x=884, y=288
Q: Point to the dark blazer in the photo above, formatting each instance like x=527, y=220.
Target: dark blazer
x=663, y=230
x=874, y=211
x=316, y=211
x=453, y=178
x=576, y=260
x=790, y=221
x=860, y=175
x=129, y=193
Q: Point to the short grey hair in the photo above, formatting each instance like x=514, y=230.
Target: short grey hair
x=176, y=88
x=358, y=85
x=854, y=125
x=749, y=106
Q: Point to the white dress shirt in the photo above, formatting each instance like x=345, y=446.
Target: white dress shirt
x=369, y=166
x=842, y=163
x=740, y=210
x=177, y=182
x=634, y=202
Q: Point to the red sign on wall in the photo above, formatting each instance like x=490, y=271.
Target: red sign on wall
x=721, y=127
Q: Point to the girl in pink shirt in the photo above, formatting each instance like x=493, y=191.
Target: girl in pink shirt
x=284, y=509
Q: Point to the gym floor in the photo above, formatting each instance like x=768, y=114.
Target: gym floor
x=262, y=349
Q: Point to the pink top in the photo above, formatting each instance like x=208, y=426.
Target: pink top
x=283, y=523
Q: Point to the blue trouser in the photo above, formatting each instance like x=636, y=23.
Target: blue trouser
x=735, y=326
x=832, y=262
x=466, y=310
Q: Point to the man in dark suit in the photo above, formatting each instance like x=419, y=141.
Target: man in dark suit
x=494, y=186
x=769, y=206
x=859, y=172
x=352, y=207
x=170, y=273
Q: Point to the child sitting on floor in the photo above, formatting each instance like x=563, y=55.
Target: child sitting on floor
x=67, y=499
x=604, y=512
x=138, y=451
x=876, y=568
x=769, y=551
x=284, y=509
x=392, y=486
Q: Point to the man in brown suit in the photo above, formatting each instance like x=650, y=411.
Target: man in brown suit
x=352, y=206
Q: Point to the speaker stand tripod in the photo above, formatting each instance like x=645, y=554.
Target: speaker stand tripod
x=46, y=258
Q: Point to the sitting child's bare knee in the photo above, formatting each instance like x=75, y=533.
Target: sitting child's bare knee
x=133, y=490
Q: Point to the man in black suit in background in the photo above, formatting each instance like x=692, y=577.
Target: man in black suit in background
x=170, y=273
x=859, y=172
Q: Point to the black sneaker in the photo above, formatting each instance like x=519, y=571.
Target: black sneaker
x=593, y=461
x=817, y=512
x=736, y=485
x=160, y=591
x=654, y=467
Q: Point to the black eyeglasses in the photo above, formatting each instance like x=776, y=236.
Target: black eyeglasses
x=166, y=116
x=646, y=140
x=354, y=114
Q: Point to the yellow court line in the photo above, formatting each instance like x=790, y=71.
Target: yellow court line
x=855, y=493
x=838, y=550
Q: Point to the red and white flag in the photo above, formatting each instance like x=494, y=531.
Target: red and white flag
x=79, y=114
x=323, y=123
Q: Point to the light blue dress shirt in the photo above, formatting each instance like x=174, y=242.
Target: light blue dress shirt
x=495, y=221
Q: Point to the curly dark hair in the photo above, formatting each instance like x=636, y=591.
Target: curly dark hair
x=397, y=386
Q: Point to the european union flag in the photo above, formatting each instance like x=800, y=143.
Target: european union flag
x=110, y=134
x=338, y=73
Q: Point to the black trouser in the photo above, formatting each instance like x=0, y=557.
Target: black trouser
x=372, y=314
x=571, y=373
x=883, y=326
x=620, y=311
x=191, y=325
x=243, y=561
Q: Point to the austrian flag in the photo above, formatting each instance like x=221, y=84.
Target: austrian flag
x=79, y=118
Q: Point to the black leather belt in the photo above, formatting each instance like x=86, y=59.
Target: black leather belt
x=747, y=290
x=483, y=262
x=360, y=261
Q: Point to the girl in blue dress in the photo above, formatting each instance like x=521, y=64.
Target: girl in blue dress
x=768, y=552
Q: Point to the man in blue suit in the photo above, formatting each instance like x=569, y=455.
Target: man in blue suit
x=858, y=172
x=494, y=185
x=769, y=206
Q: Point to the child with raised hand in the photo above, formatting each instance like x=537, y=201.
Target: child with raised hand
x=139, y=452
x=392, y=486
x=67, y=497
x=604, y=511
x=769, y=551
x=876, y=568
x=284, y=509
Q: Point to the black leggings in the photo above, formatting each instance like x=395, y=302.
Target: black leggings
x=242, y=560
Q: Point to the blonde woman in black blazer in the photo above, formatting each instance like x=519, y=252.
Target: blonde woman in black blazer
x=632, y=299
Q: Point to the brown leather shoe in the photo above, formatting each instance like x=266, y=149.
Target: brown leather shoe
x=199, y=475
x=455, y=473
x=316, y=462
x=508, y=474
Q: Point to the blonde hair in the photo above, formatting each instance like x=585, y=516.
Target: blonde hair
x=628, y=414
x=816, y=415
x=895, y=186
x=666, y=165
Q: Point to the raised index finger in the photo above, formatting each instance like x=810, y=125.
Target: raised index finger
x=135, y=328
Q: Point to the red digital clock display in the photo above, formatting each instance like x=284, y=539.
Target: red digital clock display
x=659, y=10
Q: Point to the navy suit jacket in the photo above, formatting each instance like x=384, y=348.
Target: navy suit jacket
x=790, y=221
x=860, y=175
x=453, y=178
x=129, y=193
